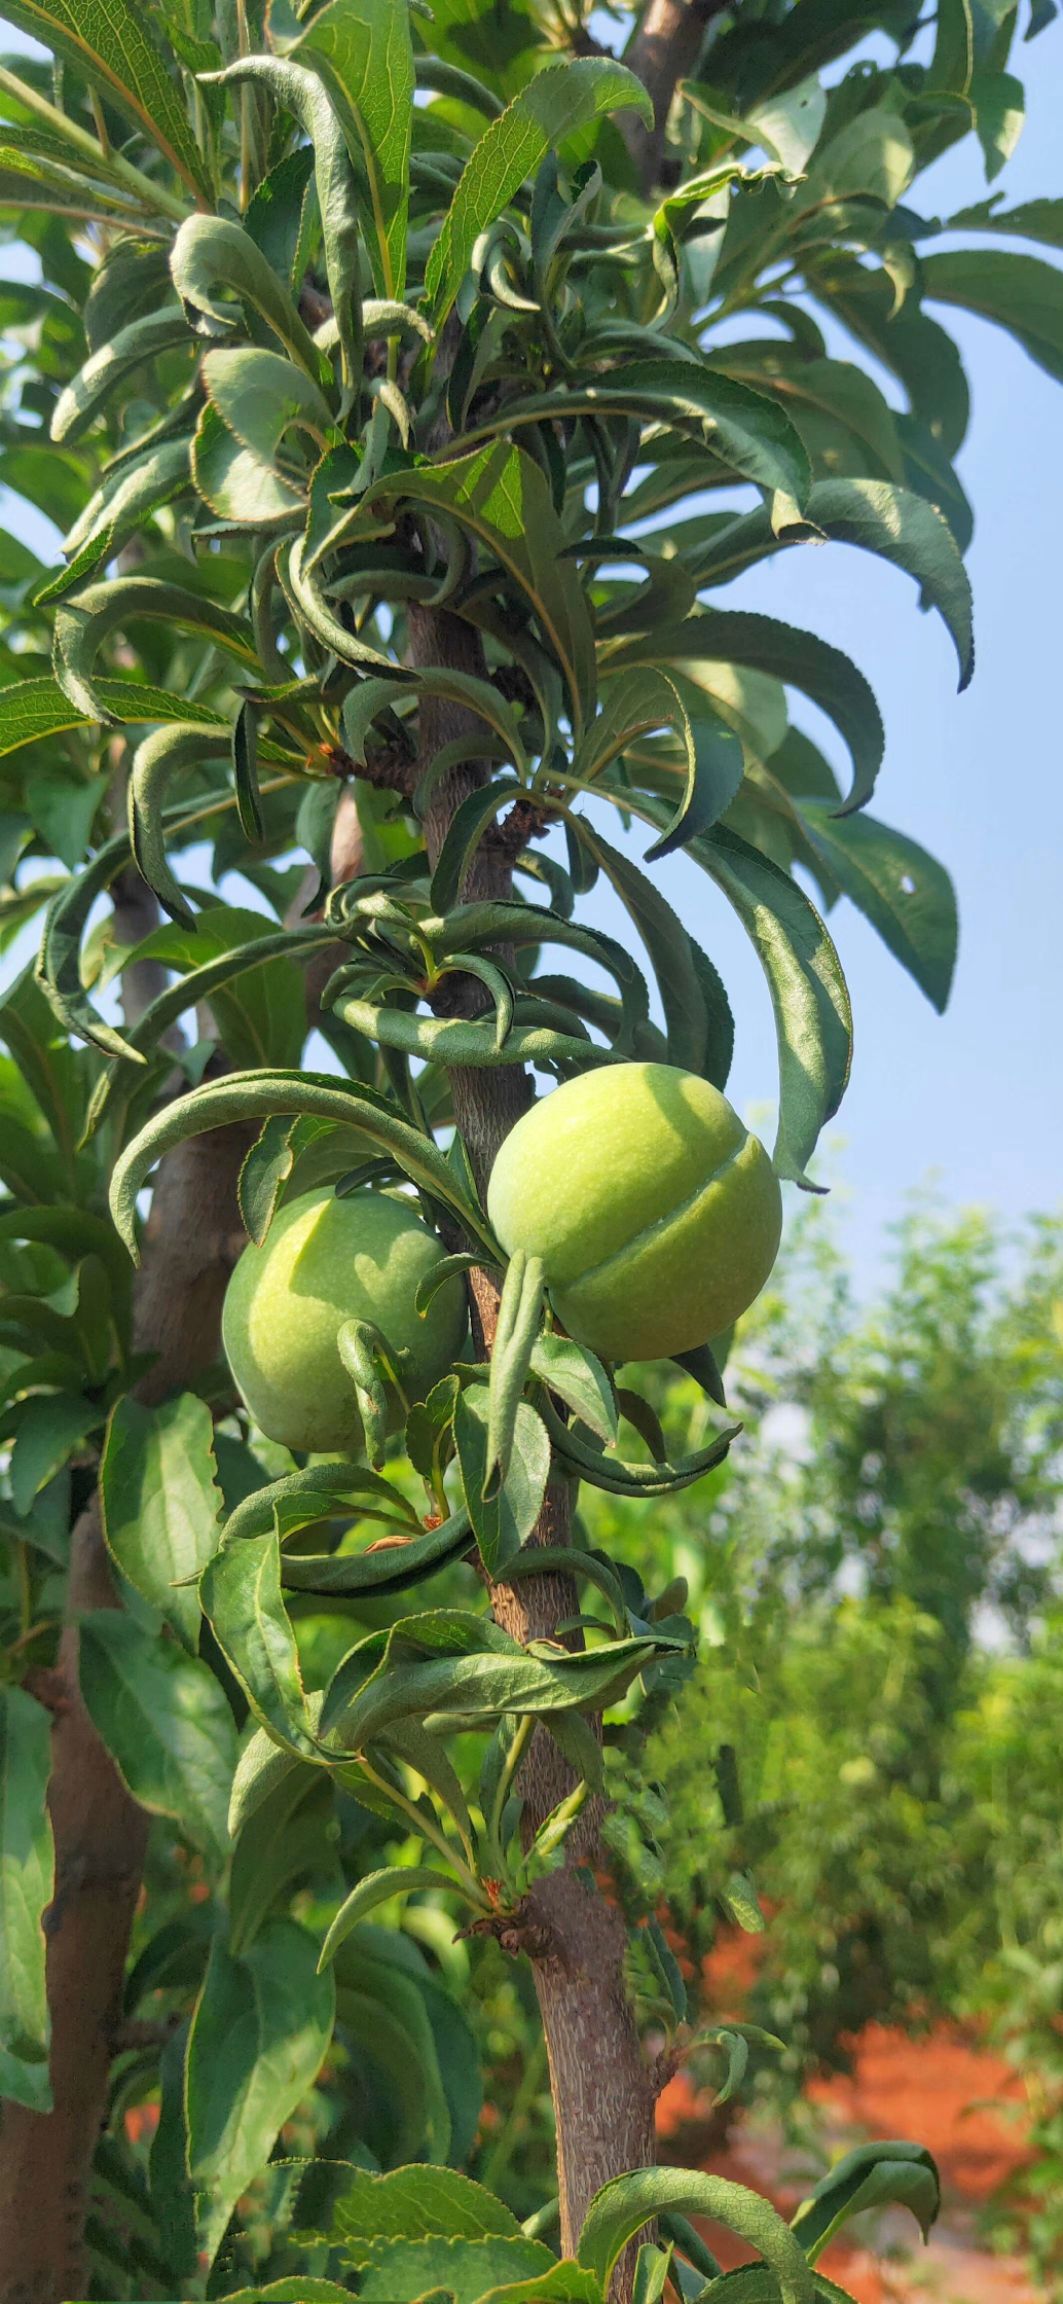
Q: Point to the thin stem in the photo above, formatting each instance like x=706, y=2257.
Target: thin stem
x=244, y=47
x=101, y=124
x=113, y=163
x=429, y=1830
x=512, y=1762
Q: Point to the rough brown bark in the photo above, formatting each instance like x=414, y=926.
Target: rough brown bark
x=663, y=50
x=100, y=1837
x=602, y=2091
x=100, y=1833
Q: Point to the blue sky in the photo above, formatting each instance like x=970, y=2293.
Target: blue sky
x=975, y=1098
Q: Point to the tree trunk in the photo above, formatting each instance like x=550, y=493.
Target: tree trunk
x=100, y=1833
x=602, y=2091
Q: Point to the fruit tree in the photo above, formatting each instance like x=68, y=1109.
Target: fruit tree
x=410, y=385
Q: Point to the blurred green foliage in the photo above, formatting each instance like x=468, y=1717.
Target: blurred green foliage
x=880, y=1682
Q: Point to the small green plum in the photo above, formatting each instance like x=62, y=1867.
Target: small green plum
x=326, y=1261
x=655, y=1212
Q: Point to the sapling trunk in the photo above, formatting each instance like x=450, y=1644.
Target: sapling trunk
x=602, y=2091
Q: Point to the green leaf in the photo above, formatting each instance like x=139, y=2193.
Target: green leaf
x=999, y=101
x=652, y=2269
x=745, y=430
x=127, y=499
x=834, y=404
x=241, y=1595
x=363, y=54
x=34, y=175
x=26, y=1869
x=643, y=699
x=382, y=2007
x=158, y=759
x=503, y=1520
x=105, y=370
x=449, y=1661
x=556, y=102
x=84, y=622
x=238, y=486
x=59, y=962
x=377, y=1888
x=114, y=46
x=263, y=1766
x=672, y=954
x=789, y=124
x=952, y=62
x=1019, y=293
x=261, y=395
x=467, y=2270
x=289, y=1839
x=166, y=1723
x=666, y=1968
x=48, y=1428
x=870, y=156
x=297, y=2290
x=313, y=607
x=620, y=2209
x=578, y=1379
x=902, y=527
x=63, y=809
x=799, y=658
x=465, y=831
x=904, y=892
x=258, y=1095
x=445, y=1040
x=876, y=2175
x=754, y=2284
x=603, y=1469
x=565, y=2283
x=365, y=1359
x=481, y=697
x=334, y=178
x=478, y=927
x=715, y=768
x=160, y=1505
x=262, y=1022
x=813, y=1019
x=261, y=2028
x=392, y=1564
x=500, y=497
x=1032, y=220
x=520, y=1317
x=915, y=348
x=335, y=1490
x=220, y=274
x=32, y=710
x=412, y=2203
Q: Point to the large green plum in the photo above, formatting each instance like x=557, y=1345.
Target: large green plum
x=327, y=1260
x=655, y=1212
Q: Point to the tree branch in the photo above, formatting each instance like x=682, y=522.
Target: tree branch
x=663, y=50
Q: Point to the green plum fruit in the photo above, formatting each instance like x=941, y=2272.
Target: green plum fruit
x=326, y=1261
x=655, y=1212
